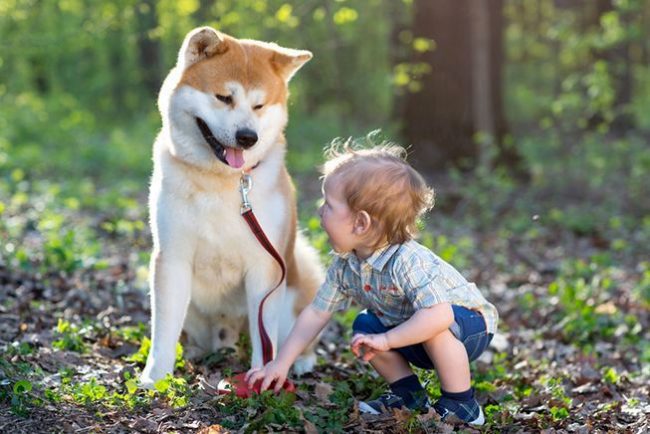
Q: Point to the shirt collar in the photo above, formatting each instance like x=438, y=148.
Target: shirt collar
x=381, y=256
x=377, y=260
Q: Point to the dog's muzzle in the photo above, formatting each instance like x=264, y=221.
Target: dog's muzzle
x=228, y=155
x=216, y=146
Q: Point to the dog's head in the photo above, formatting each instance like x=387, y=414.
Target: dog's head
x=225, y=102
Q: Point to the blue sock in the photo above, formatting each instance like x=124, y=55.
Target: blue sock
x=409, y=389
x=459, y=396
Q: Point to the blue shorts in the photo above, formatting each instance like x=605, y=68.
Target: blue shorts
x=468, y=327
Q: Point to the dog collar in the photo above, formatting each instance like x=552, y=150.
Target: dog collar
x=250, y=169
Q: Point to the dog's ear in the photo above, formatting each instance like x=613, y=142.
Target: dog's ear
x=288, y=61
x=199, y=44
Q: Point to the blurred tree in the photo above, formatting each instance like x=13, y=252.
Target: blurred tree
x=203, y=14
x=578, y=65
x=457, y=116
x=568, y=67
x=148, y=47
x=617, y=55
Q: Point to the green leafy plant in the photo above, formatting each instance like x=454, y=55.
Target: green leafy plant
x=17, y=394
x=141, y=355
x=456, y=253
x=135, y=333
x=70, y=336
x=641, y=290
x=332, y=419
x=89, y=392
x=261, y=410
x=559, y=413
x=560, y=401
x=611, y=376
x=174, y=389
x=584, y=309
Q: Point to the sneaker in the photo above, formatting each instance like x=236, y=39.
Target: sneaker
x=469, y=412
x=388, y=401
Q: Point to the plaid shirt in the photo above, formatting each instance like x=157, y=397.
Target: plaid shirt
x=396, y=281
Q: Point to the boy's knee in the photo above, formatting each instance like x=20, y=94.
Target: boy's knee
x=367, y=322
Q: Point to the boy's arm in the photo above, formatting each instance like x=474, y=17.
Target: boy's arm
x=422, y=326
x=309, y=323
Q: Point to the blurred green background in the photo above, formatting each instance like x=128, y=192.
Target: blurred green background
x=514, y=108
x=531, y=118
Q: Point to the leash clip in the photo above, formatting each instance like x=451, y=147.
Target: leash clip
x=245, y=185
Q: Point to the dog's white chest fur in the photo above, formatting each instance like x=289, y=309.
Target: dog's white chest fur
x=228, y=250
x=221, y=245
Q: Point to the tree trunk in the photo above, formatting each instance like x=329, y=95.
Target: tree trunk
x=462, y=95
x=482, y=98
x=507, y=154
x=438, y=118
x=397, y=52
x=148, y=48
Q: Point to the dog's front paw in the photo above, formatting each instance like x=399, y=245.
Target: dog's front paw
x=146, y=382
x=150, y=375
x=304, y=364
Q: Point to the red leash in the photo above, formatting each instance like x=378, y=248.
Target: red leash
x=237, y=383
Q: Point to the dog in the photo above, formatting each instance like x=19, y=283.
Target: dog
x=224, y=110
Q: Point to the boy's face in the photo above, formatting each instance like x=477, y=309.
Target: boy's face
x=337, y=218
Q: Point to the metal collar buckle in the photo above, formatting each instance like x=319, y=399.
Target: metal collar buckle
x=245, y=185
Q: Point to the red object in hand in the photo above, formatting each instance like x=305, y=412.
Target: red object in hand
x=239, y=385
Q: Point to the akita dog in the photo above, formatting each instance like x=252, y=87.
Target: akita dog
x=224, y=110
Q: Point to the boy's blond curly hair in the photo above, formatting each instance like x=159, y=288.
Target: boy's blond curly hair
x=377, y=179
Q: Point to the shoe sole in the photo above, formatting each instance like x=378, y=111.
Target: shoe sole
x=480, y=420
x=365, y=408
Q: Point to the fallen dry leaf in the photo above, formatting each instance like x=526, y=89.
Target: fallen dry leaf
x=322, y=391
x=213, y=429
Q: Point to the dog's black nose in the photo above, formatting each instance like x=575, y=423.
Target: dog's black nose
x=246, y=138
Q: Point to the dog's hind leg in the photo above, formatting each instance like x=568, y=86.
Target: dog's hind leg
x=197, y=328
x=225, y=331
x=306, y=361
x=208, y=333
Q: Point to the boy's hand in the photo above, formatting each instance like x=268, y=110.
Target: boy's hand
x=367, y=346
x=268, y=373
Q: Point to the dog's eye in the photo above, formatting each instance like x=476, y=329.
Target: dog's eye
x=258, y=107
x=226, y=99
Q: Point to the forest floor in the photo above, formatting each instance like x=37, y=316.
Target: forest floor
x=572, y=353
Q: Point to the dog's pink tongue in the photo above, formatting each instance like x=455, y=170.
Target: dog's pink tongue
x=235, y=157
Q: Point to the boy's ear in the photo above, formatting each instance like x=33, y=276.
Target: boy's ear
x=362, y=223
